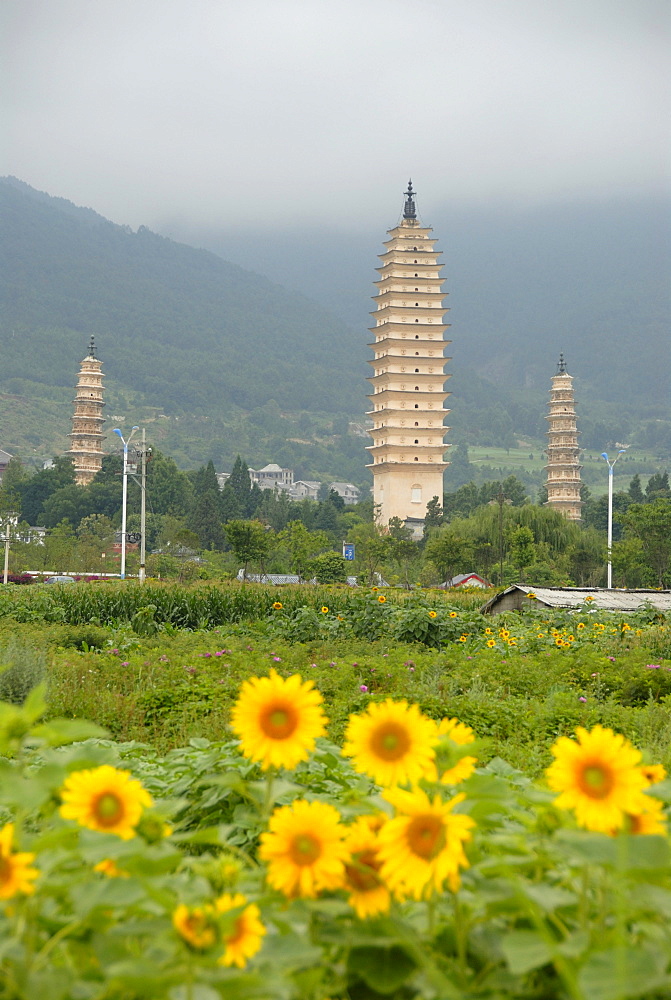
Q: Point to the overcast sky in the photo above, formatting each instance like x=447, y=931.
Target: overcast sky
x=278, y=112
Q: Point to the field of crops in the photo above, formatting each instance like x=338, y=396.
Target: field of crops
x=325, y=794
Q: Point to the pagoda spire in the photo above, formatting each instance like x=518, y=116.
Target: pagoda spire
x=409, y=211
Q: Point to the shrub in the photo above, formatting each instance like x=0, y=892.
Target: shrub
x=22, y=667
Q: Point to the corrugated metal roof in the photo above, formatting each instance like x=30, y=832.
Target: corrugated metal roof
x=601, y=598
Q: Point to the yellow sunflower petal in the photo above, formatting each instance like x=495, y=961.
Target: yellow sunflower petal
x=278, y=720
x=105, y=799
x=391, y=741
x=304, y=849
x=245, y=937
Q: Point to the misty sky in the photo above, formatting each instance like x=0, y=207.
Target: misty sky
x=281, y=112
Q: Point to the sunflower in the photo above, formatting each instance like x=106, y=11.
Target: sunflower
x=391, y=741
x=453, y=614
x=653, y=773
x=459, y=772
x=531, y=596
x=504, y=633
x=460, y=768
x=278, y=720
x=382, y=599
x=110, y=868
x=242, y=940
x=105, y=799
x=598, y=777
x=488, y=631
x=432, y=614
x=491, y=643
x=304, y=848
x=458, y=732
x=324, y=610
x=277, y=605
x=16, y=875
x=463, y=637
x=649, y=821
x=197, y=925
x=368, y=895
x=422, y=847
x=581, y=625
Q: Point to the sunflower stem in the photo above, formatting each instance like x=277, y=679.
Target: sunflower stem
x=268, y=800
x=431, y=915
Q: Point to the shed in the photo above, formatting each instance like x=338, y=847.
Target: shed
x=516, y=597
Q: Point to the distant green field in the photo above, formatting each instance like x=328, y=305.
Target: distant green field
x=532, y=460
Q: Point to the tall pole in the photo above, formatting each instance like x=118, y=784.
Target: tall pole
x=609, y=575
x=125, y=443
x=143, y=508
x=8, y=518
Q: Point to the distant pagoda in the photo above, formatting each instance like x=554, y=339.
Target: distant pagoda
x=87, y=436
x=563, y=468
x=408, y=374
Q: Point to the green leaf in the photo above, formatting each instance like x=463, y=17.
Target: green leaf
x=383, y=969
x=548, y=897
x=35, y=704
x=622, y=974
x=524, y=951
x=58, y=732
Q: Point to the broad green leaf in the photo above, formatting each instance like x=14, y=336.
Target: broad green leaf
x=524, y=951
x=548, y=897
x=383, y=969
x=57, y=732
x=622, y=974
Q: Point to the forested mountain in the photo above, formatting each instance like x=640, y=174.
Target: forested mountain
x=200, y=340
x=216, y=360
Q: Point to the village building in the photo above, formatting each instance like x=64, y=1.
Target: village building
x=563, y=468
x=407, y=398
x=5, y=459
x=87, y=422
x=519, y=596
x=347, y=491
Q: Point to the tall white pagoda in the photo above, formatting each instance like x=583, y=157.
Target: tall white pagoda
x=87, y=422
x=563, y=469
x=407, y=398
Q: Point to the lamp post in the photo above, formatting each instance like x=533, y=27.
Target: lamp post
x=500, y=499
x=125, y=494
x=609, y=582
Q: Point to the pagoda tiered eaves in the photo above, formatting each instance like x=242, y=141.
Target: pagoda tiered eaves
x=408, y=373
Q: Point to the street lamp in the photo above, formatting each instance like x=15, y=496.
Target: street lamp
x=500, y=499
x=609, y=582
x=125, y=493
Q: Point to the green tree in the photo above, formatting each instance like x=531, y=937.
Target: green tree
x=169, y=490
x=60, y=547
x=237, y=499
x=651, y=523
x=448, y=552
x=250, y=541
x=371, y=547
x=42, y=485
x=635, y=491
x=329, y=567
x=658, y=486
x=303, y=546
x=434, y=515
x=522, y=548
x=205, y=520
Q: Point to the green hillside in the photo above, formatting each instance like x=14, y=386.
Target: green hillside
x=231, y=360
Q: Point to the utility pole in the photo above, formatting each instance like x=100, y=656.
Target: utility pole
x=604, y=455
x=145, y=454
x=125, y=443
x=8, y=518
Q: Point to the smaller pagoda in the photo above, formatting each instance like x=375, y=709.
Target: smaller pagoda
x=87, y=422
x=563, y=468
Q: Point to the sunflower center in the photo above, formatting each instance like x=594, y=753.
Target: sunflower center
x=5, y=870
x=200, y=930
x=305, y=849
x=279, y=721
x=391, y=741
x=362, y=874
x=426, y=836
x=596, y=780
x=108, y=809
x=238, y=931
